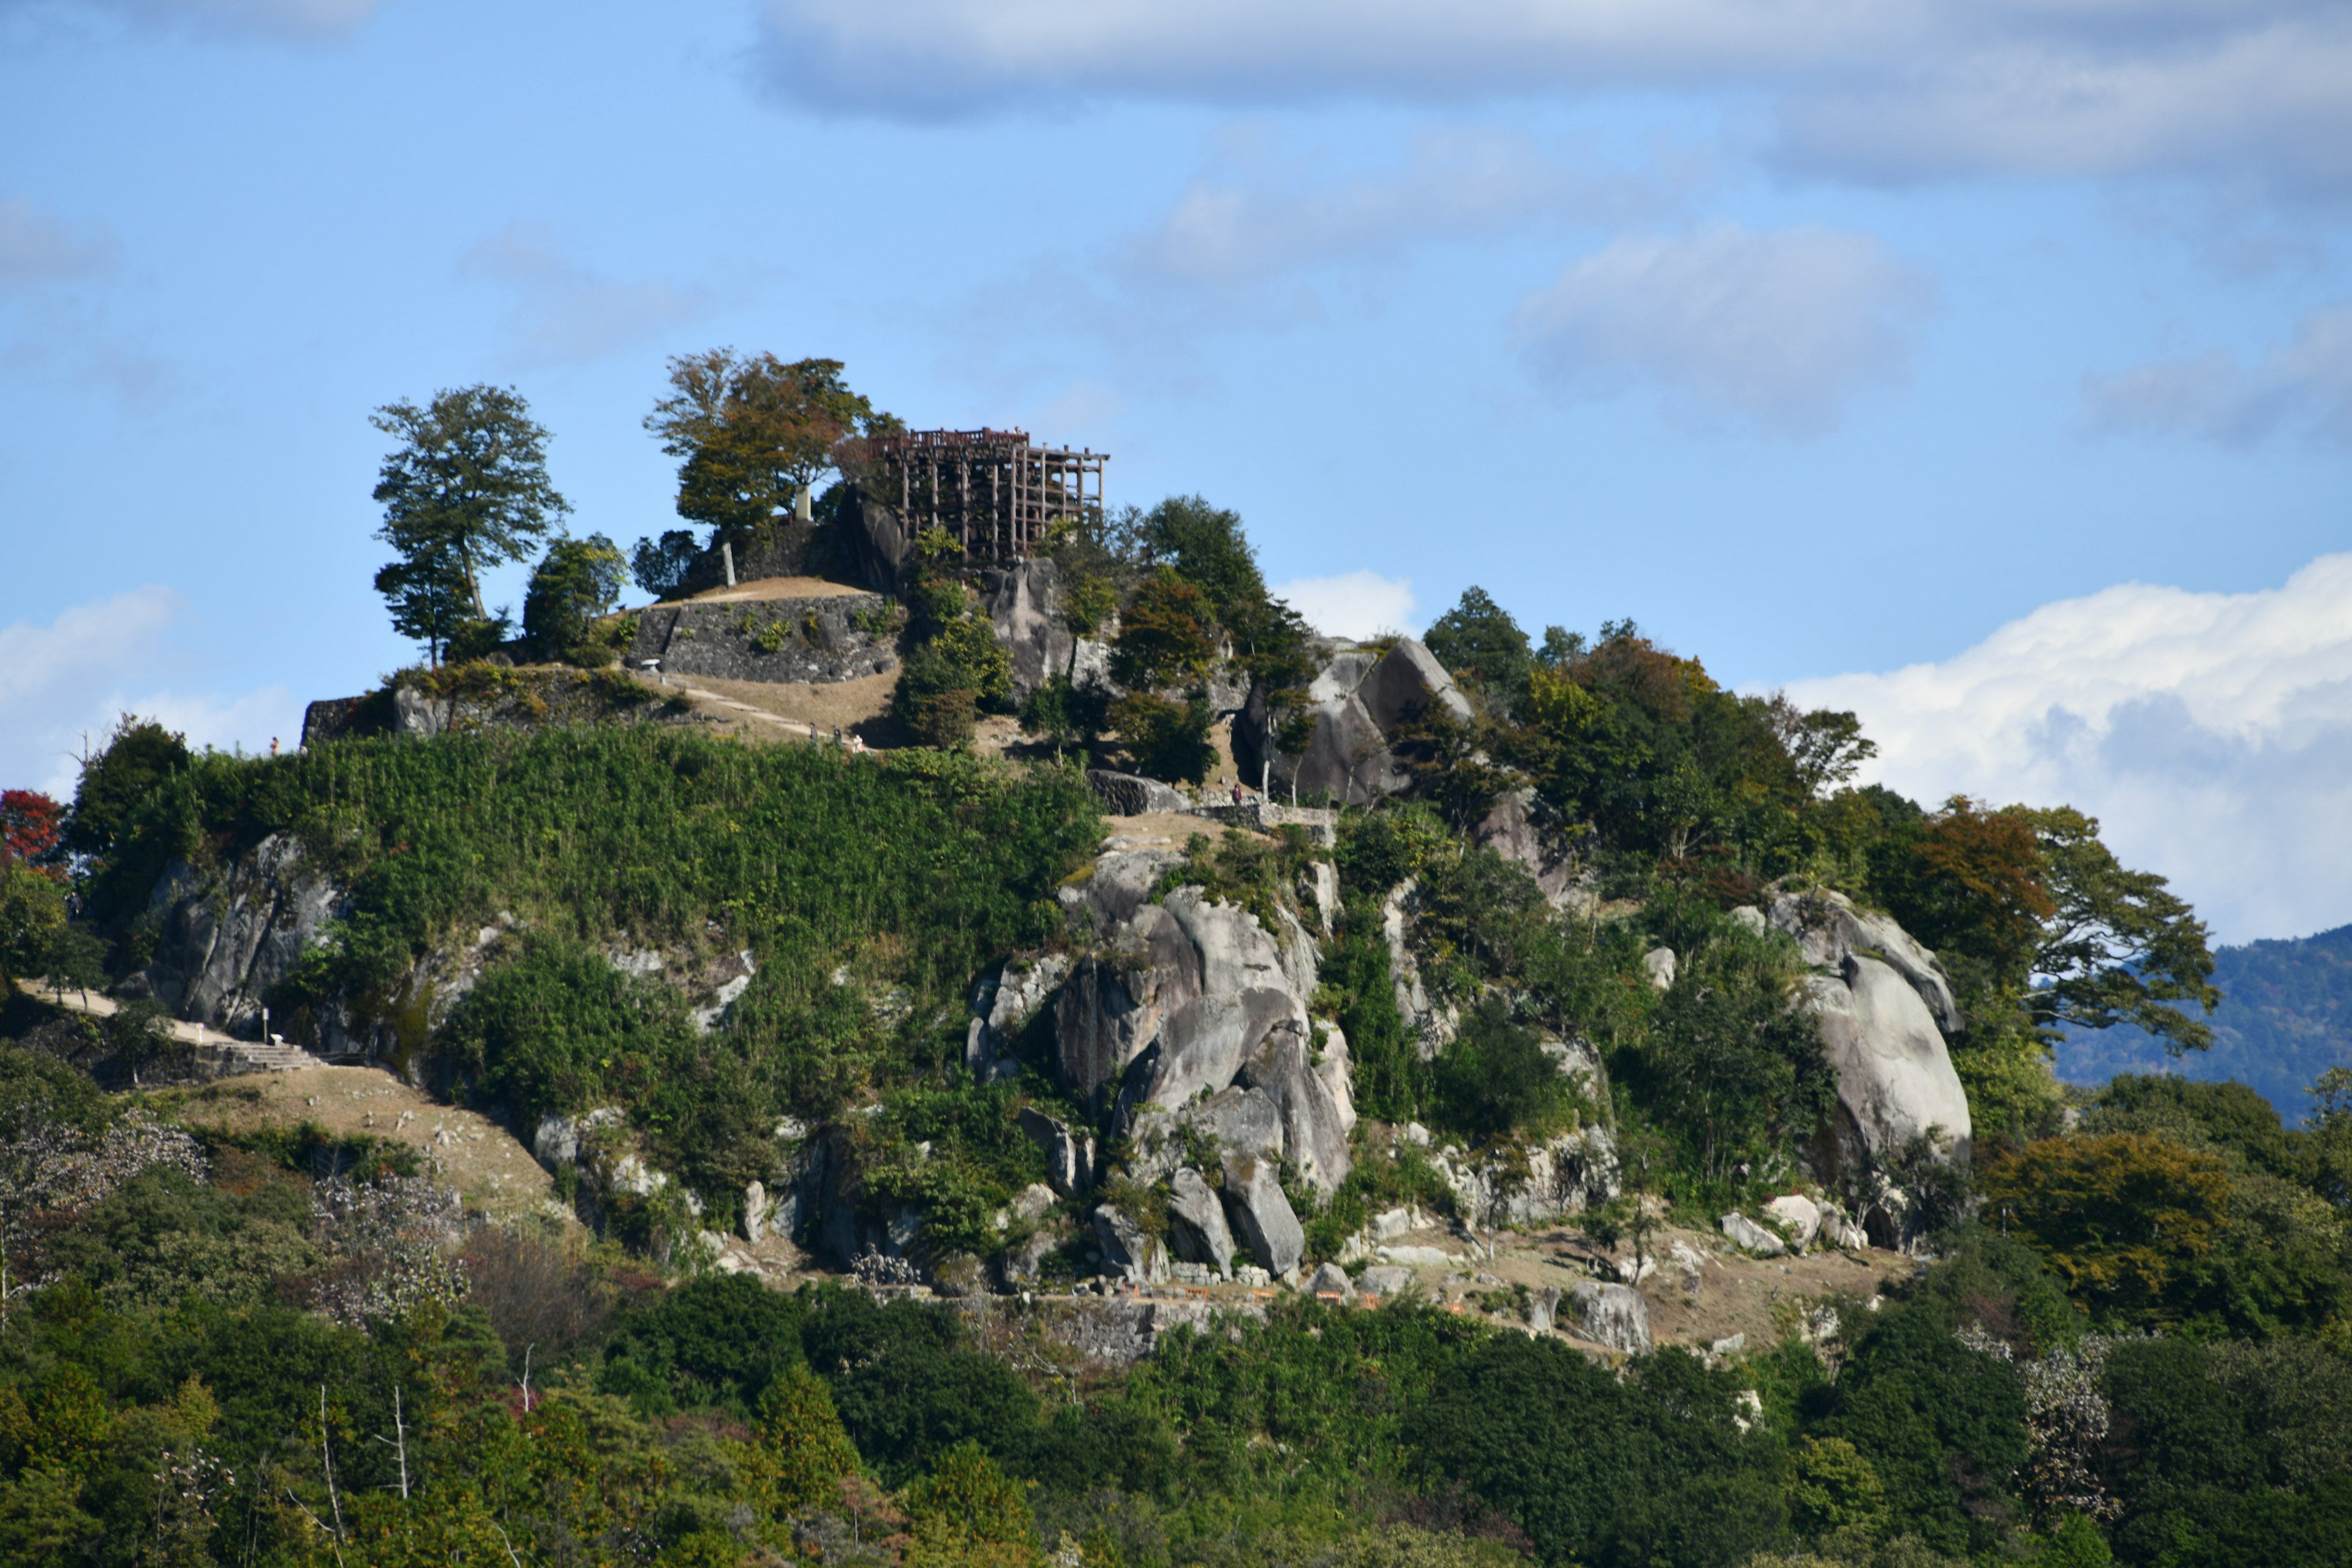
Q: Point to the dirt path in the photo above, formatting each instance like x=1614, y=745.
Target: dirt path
x=776, y=588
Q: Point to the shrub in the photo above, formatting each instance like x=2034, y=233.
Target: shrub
x=1164, y=739
x=576, y=582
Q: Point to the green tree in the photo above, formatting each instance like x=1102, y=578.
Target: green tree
x=1168, y=636
x=137, y=759
x=1204, y=545
x=1166, y=739
x=1479, y=643
x=659, y=565
x=2125, y=1220
x=967, y=1513
x=1832, y=1487
x=955, y=668
x=751, y=431
x=803, y=1452
x=32, y=915
x=578, y=581
x=466, y=490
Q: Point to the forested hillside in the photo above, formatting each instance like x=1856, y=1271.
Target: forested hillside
x=2285, y=1018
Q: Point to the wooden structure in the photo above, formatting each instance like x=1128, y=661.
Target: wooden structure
x=993, y=489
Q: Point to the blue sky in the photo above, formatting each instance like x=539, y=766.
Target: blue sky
x=1835, y=343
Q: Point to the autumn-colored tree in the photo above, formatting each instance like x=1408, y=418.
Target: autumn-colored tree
x=30, y=825
x=2124, y=1220
x=2034, y=915
x=751, y=431
x=1166, y=636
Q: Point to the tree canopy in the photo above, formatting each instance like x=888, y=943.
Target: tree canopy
x=751, y=431
x=466, y=490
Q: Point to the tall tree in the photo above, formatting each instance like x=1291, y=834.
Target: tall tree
x=751, y=431
x=466, y=490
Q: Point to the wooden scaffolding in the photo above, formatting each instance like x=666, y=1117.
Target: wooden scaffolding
x=993, y=490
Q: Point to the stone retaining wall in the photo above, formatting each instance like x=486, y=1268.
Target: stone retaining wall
x=821, y=640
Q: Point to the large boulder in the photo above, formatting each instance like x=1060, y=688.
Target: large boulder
x=1828, y=928
x=1509, y=829
x=1357, y=697
x=1895, y=1079
x=1025, y=605
x=1196, y=1222
x=874, y=543
x=1191, y=984
x=1313, y=1134
x=1262, y=1216
x=1237, y=1120
x=1203, y=1045
x=1615, y=1316
x=1133, y=794
x=1069, y=1156
x=1130, y=1252
x=1884, y=1005
x=225, y=939
x=1007, y=997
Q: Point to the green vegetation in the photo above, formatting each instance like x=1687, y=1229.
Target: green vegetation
x=574, y=588
x=466, y=490
x=749, y=433
x=869, y=892
x=2132, y=1339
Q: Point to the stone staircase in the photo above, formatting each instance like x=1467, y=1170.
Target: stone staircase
x=259, y=1056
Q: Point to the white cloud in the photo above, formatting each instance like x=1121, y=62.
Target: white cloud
x=1896, y=88
x=1352, y=605
x=1780, y=329
x=2299, y=387
x=35, y=249
x=2211, y=734
x=63, y=685
x=1259, y=213
x=565, y=314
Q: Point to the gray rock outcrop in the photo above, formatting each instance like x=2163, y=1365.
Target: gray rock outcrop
x=1196, y=1223
x=1884, y=1005
x=1543, y=1309
x=1750, y=1237
x=1133, y=794
x=1069, y=1155
x=1385, y=1279
x=1262, y=1216
x=226, y=939
x=1358, y=696
x=1572, y=1173
x=1798, y=1218
x=1329, y=1280
x=1615, y=1316
x=1007, y=997
x=1024, y=602
x=1313, y=1136
x=1172, y=996
x=1510, y=830
x=1130, y=1252
x=874, y=543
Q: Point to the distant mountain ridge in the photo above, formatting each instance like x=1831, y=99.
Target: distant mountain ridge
x=2285, y=1018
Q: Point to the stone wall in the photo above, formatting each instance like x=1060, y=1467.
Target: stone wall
x=819, y=639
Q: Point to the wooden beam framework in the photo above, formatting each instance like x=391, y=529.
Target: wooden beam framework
x=993, y=490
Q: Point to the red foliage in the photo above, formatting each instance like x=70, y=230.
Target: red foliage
x=30, y=823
